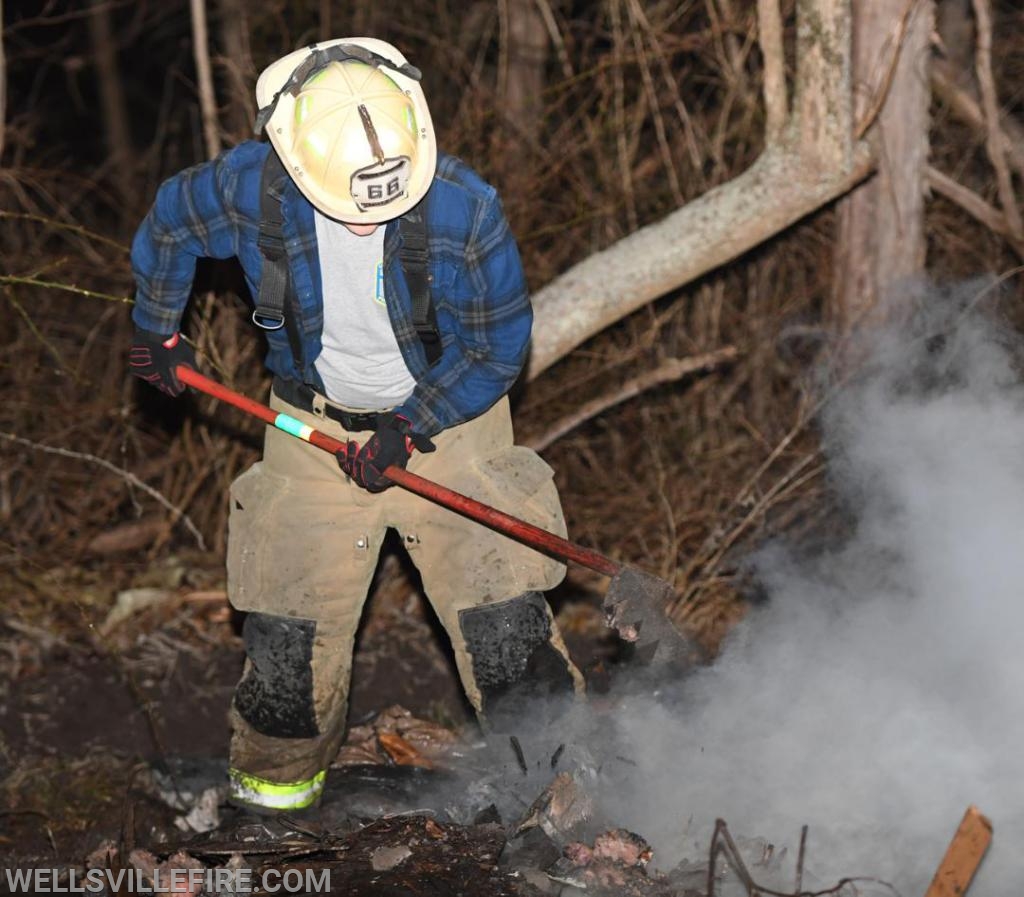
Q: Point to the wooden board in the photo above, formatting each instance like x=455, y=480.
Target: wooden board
x=963, y=856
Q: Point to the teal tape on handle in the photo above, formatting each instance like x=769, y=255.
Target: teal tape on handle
x=291, y=425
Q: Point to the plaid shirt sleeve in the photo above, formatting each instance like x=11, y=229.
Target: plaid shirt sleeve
x=493, y=319
x=190, y=219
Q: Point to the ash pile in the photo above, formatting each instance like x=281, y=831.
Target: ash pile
x=413, y=808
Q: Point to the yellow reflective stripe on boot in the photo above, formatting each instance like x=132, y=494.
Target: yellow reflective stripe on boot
x=275, y=795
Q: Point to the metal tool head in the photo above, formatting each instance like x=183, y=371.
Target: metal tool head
x=635, y=606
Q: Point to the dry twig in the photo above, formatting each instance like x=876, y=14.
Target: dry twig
x=669, y=370
x=637, y=20
x=722, y=844
x=964, y=105
x=556, y=37
x=126, y=475
x=973, y=205
x=70, y=288
x=621, y=131
x=77, y=229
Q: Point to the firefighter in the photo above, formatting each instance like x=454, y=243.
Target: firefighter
x=397, y=318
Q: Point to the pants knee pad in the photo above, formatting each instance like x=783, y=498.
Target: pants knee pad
x=275, y=695
x=512, y=655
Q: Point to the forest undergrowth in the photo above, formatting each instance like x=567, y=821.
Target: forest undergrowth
x=104, y=481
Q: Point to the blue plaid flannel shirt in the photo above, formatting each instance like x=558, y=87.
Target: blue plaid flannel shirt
x=484, y=316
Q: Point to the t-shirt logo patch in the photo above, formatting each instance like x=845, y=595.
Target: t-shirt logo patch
x=379, y=292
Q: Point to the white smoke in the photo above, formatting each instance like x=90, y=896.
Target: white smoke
x=880, y=689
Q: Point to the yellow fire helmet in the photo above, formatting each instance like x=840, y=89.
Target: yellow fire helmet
x=349, y=120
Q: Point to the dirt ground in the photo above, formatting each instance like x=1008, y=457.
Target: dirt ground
x=86, y=712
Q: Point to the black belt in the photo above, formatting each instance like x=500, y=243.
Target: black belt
x=301, y=396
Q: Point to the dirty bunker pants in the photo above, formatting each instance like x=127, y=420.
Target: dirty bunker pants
x=302, y=549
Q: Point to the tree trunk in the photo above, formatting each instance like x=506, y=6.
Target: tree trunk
x=325, y=29
x=238, y=68
x=3, y=85
x=956, y=30
x=880, y=244
x=811, y=158
x=112, y=102
x=524, y=56
x=362, y=16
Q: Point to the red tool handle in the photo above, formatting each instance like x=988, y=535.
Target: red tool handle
x=513, y=527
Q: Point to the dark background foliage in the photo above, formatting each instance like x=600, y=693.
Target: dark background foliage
x=644, y=107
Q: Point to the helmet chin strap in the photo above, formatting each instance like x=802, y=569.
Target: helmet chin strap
x=319, y=59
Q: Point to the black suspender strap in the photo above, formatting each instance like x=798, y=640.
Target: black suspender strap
x=275, y=283
x=269, y=313
x=276, y=295
x=415, y=259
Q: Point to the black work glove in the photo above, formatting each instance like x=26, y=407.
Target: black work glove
x=393, y=442
x=153, y=358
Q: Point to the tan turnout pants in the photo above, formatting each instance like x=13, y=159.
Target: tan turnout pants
x=302, y=549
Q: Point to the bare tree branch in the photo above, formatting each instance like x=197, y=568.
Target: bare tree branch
x=973, y=205
x=204, y=74
x=69, y=288
x=3, y=84
x=125, y=475
x=823, y=101
x=776, y=101
x=813, y=162
x=965, y=106
x=235, y=60
x=637, y=20
x=671, y=86
x=556, y=36
x=112, y=100
x=619, y=99
x=669, y=370
x=996, y=142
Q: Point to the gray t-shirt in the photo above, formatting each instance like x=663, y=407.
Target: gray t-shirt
x=361, y=364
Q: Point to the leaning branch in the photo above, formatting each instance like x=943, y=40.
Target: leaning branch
x=973, y=205
x=808, y=163
x=776, y=191
x=667, y=372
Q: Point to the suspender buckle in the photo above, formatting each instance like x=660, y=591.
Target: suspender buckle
x=270, y=241
x=268, y=319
